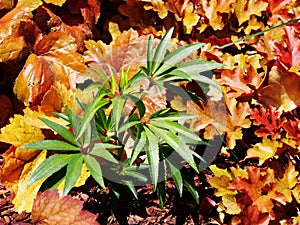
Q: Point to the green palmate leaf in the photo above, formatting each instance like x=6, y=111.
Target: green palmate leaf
x=73, y=172
x=61, y=130
x=161, y=51
x=51, y=145
x=51, y=165
x=90, y=111
x=176, y=56
x=139, y=146
x=95, y=169
x=100, y=149
x=178, y=128
x=149, y=53
x=176, y=143
x=152, y=155
x=176, y=177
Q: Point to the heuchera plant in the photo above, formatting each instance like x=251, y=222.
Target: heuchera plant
x=118, y=115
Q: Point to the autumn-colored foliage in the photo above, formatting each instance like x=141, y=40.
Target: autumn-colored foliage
x=48, y=49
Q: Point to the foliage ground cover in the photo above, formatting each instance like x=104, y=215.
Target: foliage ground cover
x=49, y=50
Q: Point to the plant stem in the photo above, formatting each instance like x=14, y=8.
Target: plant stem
x=258, y=33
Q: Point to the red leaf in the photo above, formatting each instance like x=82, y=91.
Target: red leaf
x=268, y=120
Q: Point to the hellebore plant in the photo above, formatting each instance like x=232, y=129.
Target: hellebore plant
x=117, y=116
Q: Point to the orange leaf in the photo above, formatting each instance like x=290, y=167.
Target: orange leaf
x=51, y=102
x=216, y=120
x=213, y=10
x=282, y=90
x=6, y=4
x=12, y=48
x=14, y=161
x=49, y=208
x=10, y=22
x=34, y=80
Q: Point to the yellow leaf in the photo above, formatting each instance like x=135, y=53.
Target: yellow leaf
x=263, y=151
x=114, y=30
x=32, y=119
x=230, y=204
x=19, y=133
x=221, y=183
x=213, y=10
x=55, y=2
x=22, y=189
x=190, y=18
x=159, y=7
x=220, y=172
x=245, y=8
x=296, y=193
x=288, y=182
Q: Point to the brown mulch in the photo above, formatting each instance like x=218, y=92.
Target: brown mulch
x=126, y=210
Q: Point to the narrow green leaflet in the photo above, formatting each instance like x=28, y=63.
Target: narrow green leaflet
x=149, y=53
x=51, y=165
x=131, y=187
x=91, y=109
x=139, y=146
x=152, y=155
x=176, y=56
x=173, y=116
x=139, y=104
x=95, y=169
x=176, y=143
x=51, y=145
x=100, y=149
x=177, y=127
x=61, y=130
x=161, y=51
x=73, y=172
x=189, y=183
x=198, y=66
x=128, y=125
x=176, y=177
x=117, y=110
